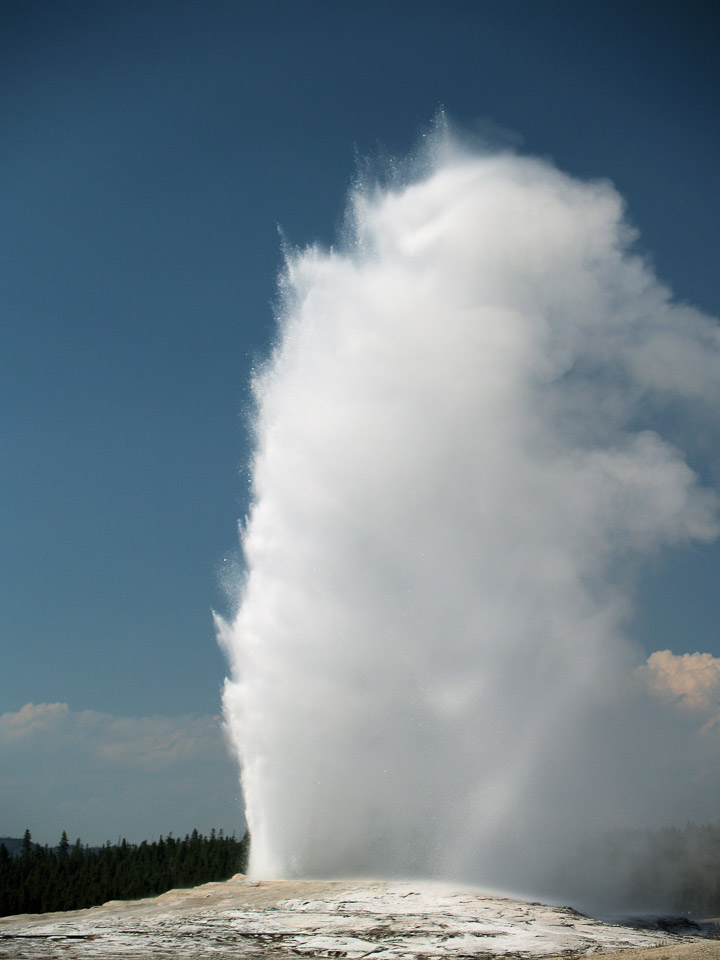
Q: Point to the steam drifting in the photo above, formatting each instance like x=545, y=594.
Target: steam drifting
x=464, y=449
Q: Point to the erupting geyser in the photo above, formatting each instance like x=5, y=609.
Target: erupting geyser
x=463, y=450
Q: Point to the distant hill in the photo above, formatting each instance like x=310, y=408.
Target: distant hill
x=13, y=845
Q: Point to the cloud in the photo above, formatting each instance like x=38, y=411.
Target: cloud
x=33, y=720
x=691, y=681
x=99, y=776
x=466, y=447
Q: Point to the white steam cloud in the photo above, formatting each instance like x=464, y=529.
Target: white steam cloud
x=461, y=458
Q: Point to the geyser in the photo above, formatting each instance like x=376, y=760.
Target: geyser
x=464, y=449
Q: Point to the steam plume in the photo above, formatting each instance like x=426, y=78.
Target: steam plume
x=462, y=455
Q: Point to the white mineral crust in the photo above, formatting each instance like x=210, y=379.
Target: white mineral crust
x=353, y=919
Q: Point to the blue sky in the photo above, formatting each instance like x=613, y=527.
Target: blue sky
x=150, y=153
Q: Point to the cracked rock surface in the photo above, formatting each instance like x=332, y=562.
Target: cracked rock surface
x=241, y=918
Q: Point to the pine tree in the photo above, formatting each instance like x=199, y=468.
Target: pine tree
x=26, y=844
x=63, y=847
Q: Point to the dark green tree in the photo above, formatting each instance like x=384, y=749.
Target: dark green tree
x=66, y=878
x=63, y=847
x=26, y=844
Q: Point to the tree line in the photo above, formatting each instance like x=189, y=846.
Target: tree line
x=72, y=876
x=672, y=870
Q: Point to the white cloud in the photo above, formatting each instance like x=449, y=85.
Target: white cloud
x=690, y=680
x=99, y=776
x=465, y=447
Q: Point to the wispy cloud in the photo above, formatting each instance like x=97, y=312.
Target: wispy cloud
x=99, y=776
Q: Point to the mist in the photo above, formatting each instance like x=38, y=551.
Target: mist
x=477, y=424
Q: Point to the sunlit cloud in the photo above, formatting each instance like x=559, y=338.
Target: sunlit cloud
x=690, y=680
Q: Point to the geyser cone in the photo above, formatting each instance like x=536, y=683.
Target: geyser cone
x=458, y=466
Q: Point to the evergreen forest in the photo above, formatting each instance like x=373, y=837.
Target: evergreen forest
x=671, y=871
x=72, y=876
x=654, y=871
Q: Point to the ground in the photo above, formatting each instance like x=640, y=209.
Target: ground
x=242, y=918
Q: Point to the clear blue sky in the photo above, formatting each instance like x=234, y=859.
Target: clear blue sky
x=149, y=153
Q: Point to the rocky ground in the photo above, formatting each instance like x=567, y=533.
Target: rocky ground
x=241, y=918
